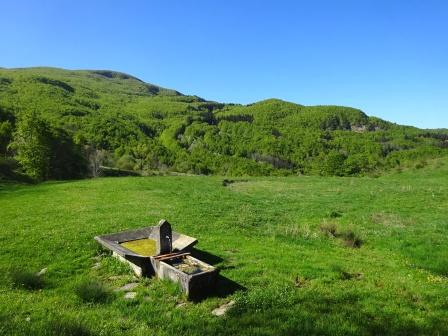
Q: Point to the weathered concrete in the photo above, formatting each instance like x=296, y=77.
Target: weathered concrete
x=193, y=283
x=164, y=237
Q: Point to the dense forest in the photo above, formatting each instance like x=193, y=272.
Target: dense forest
x=61, y=124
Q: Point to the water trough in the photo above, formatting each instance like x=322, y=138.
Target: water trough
x=158, y=251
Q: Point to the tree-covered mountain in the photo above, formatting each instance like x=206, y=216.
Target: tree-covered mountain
x=57, y=123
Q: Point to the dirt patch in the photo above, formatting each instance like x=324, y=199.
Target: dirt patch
x=227, y=182
x=349, y=237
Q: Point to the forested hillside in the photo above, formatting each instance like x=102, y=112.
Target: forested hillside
x=58, y=124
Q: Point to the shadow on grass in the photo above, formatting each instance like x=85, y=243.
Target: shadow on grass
x=223, y=286
x=25, y=279
x=206, y=257
x=222, y=289
x=315, y=313
x=56, y=325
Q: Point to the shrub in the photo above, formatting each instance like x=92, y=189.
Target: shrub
x=329, y=229
x=27, y=280
x=351, y=239
x=300, y=281
x=333, y=164
x=126, y=162
x=92, y=291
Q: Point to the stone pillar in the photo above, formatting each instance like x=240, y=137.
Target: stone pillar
x=164, y=237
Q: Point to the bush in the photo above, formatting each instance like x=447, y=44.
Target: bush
x=329, y=229
x=92, y=291
x=26, y=280
x=126, y=162
x=333, y=164
x=351, y=239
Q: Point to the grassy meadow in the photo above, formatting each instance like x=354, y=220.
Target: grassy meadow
x=298, y=255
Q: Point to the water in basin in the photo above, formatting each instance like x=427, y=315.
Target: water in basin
x=188, y=266
x=145, y=247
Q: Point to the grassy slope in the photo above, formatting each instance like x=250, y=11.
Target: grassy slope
x=263, y=233
x=81, y=94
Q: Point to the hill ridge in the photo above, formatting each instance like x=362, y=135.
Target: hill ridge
x=143, y=126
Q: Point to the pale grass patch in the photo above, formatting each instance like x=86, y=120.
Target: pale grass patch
x=294, y=231
x=391, y=220
x=439, y=279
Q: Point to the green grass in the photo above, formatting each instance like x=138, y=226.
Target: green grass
x=92, y=291
x=280, y=239
x=27, y=280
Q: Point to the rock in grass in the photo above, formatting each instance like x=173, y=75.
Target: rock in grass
x=128, y=287
x=221, y=310
x=42, y=271
x=130, y=295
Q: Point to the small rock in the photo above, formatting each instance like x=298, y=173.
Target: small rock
x=28, y=319
x=98, y=257
x=42, y=271
x=128, y=287
x=221, y=310
x=130, y=295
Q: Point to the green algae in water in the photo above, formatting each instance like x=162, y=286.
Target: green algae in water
x=145, y=247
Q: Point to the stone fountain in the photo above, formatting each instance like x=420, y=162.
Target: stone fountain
x=158, y=251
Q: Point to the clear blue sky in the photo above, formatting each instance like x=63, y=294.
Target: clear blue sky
x=388, y=58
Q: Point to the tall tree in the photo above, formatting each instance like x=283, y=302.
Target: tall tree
x=32, y=145
x=140, y=153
